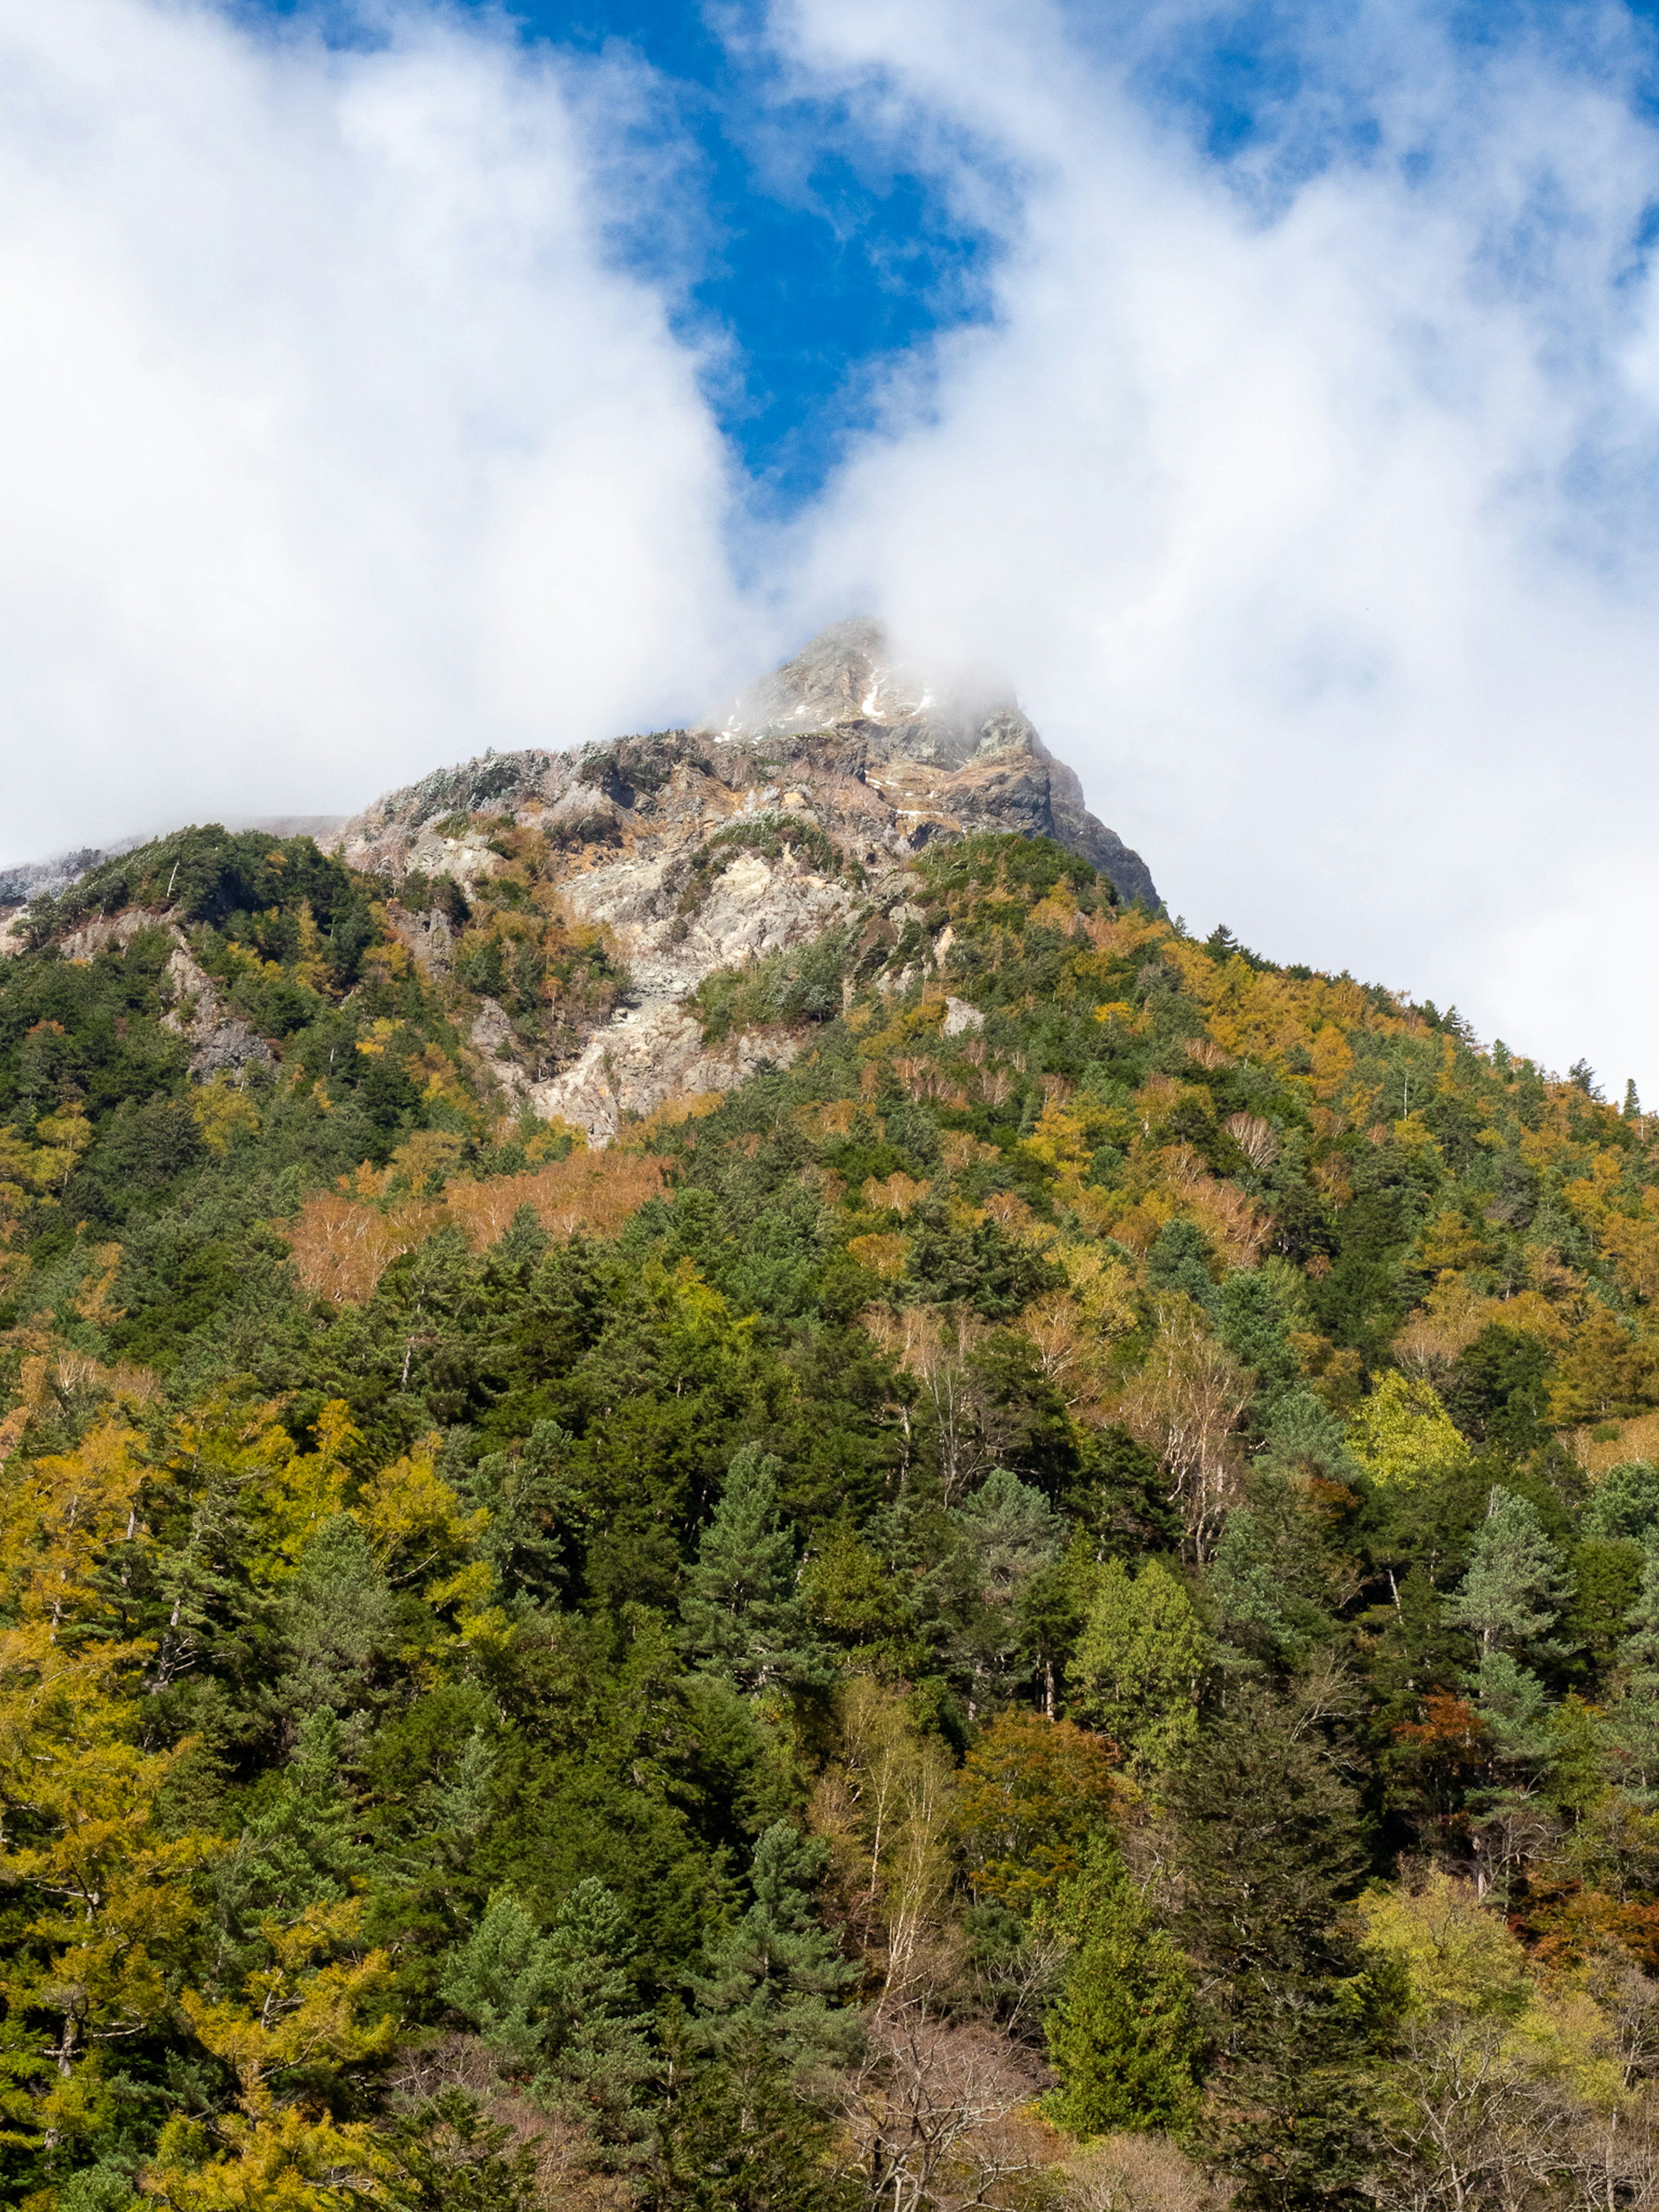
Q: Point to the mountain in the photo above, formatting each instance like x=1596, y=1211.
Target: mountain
x=706, y=1505
x=744, y=837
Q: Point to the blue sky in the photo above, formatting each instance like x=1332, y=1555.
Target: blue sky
x=815, y=255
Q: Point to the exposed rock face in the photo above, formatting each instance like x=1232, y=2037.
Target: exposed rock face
x=871, y=764
x=838, y=734
x=959, y=756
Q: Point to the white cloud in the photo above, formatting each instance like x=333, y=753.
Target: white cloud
x=331, y=447
x=1321, y=539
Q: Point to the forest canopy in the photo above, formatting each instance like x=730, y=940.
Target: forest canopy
x=1054, y=1604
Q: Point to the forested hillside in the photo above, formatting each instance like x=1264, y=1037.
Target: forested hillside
x=1054, y=1606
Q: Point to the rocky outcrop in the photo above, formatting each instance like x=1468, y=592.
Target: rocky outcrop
x=953, y=757
x=221, y=1042
x=840, y=735
x=822, y=780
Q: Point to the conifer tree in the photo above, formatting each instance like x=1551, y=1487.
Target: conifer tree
x=1515, y=1587
x=599, y=2056
x=1267, y=1848
x=500, y=1979
x=561, y=2004
x=1633, y=1721
x=741, y=1614
x=1123, y=2036
x=775, y=1975
x=1139, y=1663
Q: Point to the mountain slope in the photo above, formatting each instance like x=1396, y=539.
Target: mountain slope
x=1086, y=1525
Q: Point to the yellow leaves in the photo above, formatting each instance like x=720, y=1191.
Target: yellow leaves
x=1456, y=1312
x=45, y=1167
x=62, y=1513
x=883, y=1255
x=296, y=2012
x=1333, y=1062
x=374, y=1043
x=109, y=1903
x=223, y=1112
x=1455, y=1952
x=288, y=2162
x=1462, y=1963
x=425, y=1159
x=1589, y=1196
x=417, y=1526
x=1402, y=1434
x=305, y=2011
x=1448, y=1242
x=306, y=1490
x=1631, y=1241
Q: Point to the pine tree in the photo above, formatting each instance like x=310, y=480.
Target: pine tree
x=1267, y=1848
x=775, y=1975
x=599, y=2058
x=741, y=1615
x=561, y=2004
x=1633, y=1723
x=501, y=1980
x=1007, y=1533
x=1139, y=1663
x=1516, y=1585
x=1123, y=2036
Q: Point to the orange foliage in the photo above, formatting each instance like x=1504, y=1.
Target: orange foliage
x=595, y=1191
x=896, y=1193
x=343, y=1244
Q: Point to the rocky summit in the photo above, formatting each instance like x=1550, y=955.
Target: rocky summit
x=745, y=836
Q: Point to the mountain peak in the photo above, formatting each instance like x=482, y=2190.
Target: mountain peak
x=849, y=677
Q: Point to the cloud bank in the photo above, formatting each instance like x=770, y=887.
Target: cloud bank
x=1308, y=494
x=332, y=445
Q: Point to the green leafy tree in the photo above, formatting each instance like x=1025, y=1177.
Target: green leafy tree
x=1123, y=2035
x=1138, y=1663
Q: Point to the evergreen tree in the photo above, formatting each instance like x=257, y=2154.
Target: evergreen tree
x=1244, y=1588
x=1632, y=1724
x=1516, y=1585
x=734, y=2136
x=444, y=2157
x=741, y=1614
x=1123, y=2035
x=527, y=1498
x=1267, y=1848
x=598, y=2055
x=561, y=2004
x=502, y=1979
x=1139, y=1663
x=773, y=1976
x=1008, y=1533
